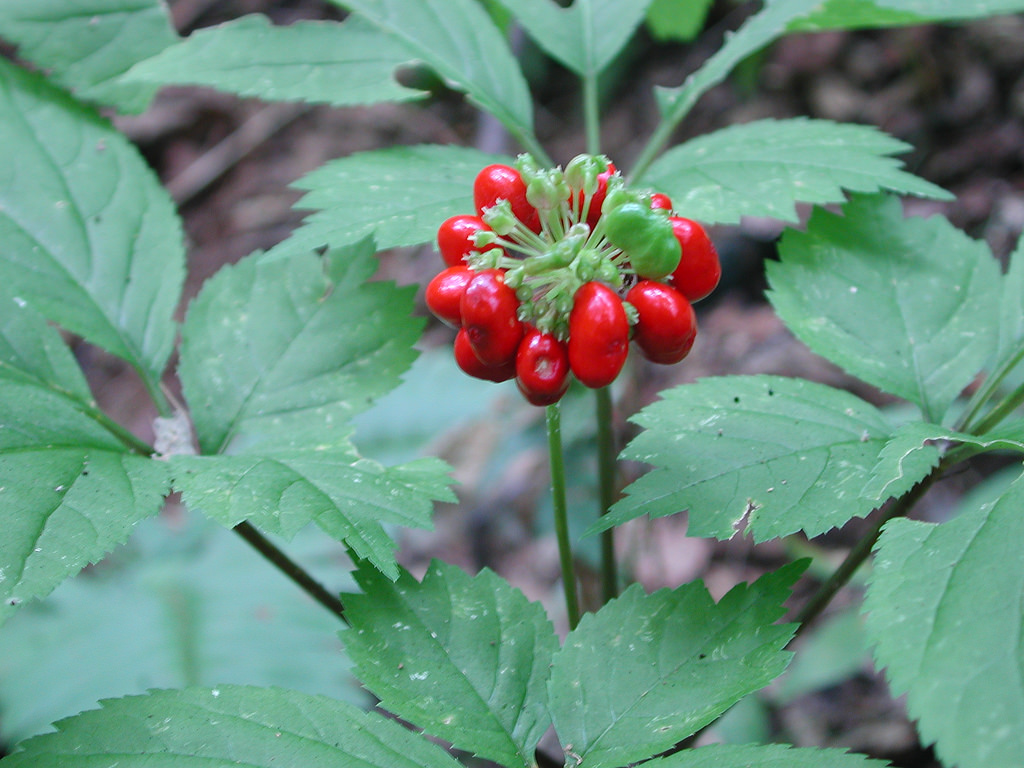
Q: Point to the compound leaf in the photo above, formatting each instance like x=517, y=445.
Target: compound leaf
x=465, y=658
x=764, y=168
x=90, y=238
x=854, y=14
x=398, y=195
x=766, y=756
x=87, y=45
x=909, y=305
x=69, y=491
x=586, y=36
x=314, y=61
x=228, y=726
x=786, y=454
x=680, y=660
x=944, y=612
x=277, y=357
x=458, y=40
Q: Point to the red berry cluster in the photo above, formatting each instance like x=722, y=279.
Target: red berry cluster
x=558, y=270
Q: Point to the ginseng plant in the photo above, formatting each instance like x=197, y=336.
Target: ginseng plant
x=552, y=270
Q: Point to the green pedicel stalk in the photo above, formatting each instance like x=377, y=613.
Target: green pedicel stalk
x=554, y=425
x=606, y=477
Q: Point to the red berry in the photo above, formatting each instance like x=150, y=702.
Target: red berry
x=470, y=364
x=502, y=182
x=659, y=200
x=667, y=326
x=699, y=270
x=455, y=238
x=489, y=316
x=598, y=335
x=542, y=368
x=444, y=293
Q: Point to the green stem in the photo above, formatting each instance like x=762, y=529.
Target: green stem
x=156, y=394
x=291, y=569
x=133, y=443
x=606, y=473
x=1008, y=405
x=554, y=425
x=985, y=391
x=654, y=145
x=591, y=114
x=856, y=557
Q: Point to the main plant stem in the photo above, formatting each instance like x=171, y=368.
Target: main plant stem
x=606, y=475
x=860, y=552
x=554, y=425
x=291, y=569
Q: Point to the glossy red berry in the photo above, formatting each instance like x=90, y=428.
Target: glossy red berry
x=598, y=335
x=699, y=270
x=455, y=238
x=444, y=293
x=470, y=364
x=542, y=368
x=667, y=325
x=664, y=202
x=502, y=182
x=490, y=318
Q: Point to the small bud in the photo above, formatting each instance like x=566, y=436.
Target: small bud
x=514, y=278
x=500, y=218
x=484, y=238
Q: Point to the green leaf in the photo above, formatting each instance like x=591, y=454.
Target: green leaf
x=465, y=658
x=229, y=726
x=398, y=195
x=277, y=357
x=856, y=14
x=172, y=608
x=286, y=352
x=1011, y=316
x=90, y=238
x=784, y=454
x=677, y=19
x=764, y=168
x=909, y=305
x=680, y=660
x=910, y=454
x=349, y=497
x=758, y=31
x=32, y=352
x=87, y=45
x=767, y=756
x=586, y=36
x=69, y=492
x=904, y=461
x=458, y=40
x=315, y=61
x=944, y=611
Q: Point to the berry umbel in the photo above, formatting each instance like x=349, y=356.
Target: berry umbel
x=559, y=269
